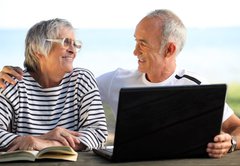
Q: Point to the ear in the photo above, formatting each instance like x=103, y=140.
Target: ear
x=170, y=50
x=38, y=55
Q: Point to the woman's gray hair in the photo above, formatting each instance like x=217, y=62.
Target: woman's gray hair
x=35, y=42
x=173, y=29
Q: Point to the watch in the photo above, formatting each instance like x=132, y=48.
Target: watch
x=234, y=145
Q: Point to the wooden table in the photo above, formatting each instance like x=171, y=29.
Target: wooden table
x=90, y=159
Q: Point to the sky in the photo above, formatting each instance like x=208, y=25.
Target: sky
x=117, y=14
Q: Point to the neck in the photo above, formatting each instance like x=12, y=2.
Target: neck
x=160, y=76
x=46, y=80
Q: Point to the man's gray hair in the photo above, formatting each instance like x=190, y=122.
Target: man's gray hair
x=173, y=29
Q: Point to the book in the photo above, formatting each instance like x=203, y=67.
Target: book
x=53, y=152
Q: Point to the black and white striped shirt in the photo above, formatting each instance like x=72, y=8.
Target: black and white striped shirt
x=28, y=109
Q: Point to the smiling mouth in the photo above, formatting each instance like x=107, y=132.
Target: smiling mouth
x=68, y=57
x=140, y=60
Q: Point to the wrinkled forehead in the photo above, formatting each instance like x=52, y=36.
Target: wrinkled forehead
x=149, y=26
x=66, y=32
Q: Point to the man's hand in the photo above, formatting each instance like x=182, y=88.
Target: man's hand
x=31, y=143
x=7, y=73
x=220, y=146
x=64, y=136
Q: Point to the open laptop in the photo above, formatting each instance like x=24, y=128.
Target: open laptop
x=166, y=122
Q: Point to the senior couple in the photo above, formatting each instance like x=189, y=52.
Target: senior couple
x=51, y=103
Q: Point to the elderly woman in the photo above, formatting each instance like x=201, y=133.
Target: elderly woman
x=54, y=104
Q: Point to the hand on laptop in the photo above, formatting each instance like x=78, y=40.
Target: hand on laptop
x=220, y=146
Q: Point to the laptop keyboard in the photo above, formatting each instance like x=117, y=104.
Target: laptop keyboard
x=105, y=151
x=108, y=149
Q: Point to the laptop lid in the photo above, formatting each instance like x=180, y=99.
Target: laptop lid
x=167, y=122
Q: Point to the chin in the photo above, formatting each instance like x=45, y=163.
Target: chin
x=69, y=69
x=141, y=69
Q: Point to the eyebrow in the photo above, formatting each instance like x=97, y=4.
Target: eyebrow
x=141, y=40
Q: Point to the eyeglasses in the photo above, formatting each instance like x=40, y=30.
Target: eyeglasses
x=66, y=43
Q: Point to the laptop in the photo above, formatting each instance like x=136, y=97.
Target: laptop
x=166, y=122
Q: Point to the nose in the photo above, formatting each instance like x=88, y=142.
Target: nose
x=72, y=48
x=137, y=50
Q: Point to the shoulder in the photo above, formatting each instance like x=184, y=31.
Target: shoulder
x=12, y=89
x=125, y=71
x=82, y=71
x=79, y=73
x=26, y=77
x=79, y=76
x=119, y=73
x=9, y=88
x=188, y=77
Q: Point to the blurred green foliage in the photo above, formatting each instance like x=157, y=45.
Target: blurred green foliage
x=233, y=97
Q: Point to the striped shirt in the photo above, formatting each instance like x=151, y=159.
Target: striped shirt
x=75, y=104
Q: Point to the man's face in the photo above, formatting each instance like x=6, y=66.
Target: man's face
x=148, y=46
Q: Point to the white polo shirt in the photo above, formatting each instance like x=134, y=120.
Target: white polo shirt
x=110, y=84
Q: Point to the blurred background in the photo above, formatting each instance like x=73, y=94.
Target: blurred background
x=106, y=29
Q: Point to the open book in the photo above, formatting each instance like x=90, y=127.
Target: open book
x=54, y=152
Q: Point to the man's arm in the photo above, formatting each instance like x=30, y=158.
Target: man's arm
x=7, y=73
x=222, y=142
x=232, y=126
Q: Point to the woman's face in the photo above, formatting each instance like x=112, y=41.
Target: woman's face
x=60, y=59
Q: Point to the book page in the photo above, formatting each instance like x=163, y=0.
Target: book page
x=58, y=152
x=18, y=155
x=49, y=155
x=55, y=152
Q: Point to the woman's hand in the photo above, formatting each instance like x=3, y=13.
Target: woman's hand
x=31, y=143
x=64, y=136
